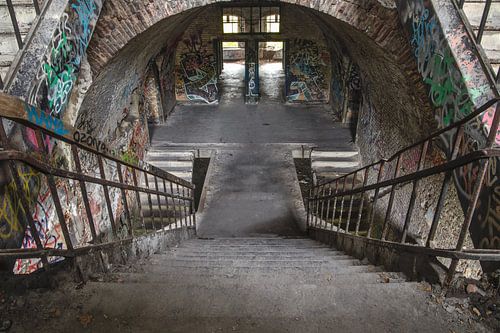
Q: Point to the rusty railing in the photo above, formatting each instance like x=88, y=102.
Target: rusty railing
x=170, y=199
x=348, y=205
x=15, y=25
x=478, y=36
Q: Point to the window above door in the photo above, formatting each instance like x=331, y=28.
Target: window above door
x=251, y=20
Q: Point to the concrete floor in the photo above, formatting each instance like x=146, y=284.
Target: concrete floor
x=207, y=125
x=253, y=190
x=253, y=187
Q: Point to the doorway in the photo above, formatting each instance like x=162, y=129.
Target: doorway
x=272, y=73
x=233, y=72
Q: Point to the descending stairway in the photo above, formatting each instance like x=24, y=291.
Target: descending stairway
x=329, y=164
x=177, y=162
x=491, y=38
x=25, y=14
x=180, y=164
x=262, y=284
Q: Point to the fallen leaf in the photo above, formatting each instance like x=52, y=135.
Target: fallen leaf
x=85, y=319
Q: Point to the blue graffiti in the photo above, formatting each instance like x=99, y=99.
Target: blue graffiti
x=46, y=121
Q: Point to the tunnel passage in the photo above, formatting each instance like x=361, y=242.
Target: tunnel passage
x=352, y=62
x=364, y=73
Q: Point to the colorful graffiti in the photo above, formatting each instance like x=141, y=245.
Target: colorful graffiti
x=61, y=65
x=197, y=72
x=12, y=213
x=308, y=67
x=253, y=88
x=454, y=96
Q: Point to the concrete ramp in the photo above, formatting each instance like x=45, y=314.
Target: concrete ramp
x=252, y=190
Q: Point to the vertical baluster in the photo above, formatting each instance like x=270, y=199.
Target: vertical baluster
x=150, y=202
x=391, y=200
x=37, y=7
x=15, y=25
x=350, y=204
x=361, y=204
x=106, y=195
x=334, y=211
x=167, y=205
x=444, y=188
x=183, y=206
x=124, y=198
x=173, y=202
x=421, y=164
x=85, y=197
x=159, y=202
x=138, y=199
x=484, y=19
x=317, y=201
x=328, y=205
x=342, y=204
x=375, y=199
x=193, y=208
x=322, y=216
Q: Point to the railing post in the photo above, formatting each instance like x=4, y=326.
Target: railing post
x=159, y=202
x=124, y=197
x=375, y=199
x=13, y=18
x=444, y=188
x=421, y=164
x=361, y=206
x=391, y=200
x=484, y=18
x=193, y=208
x=85, y=197
x=106, y=196
x=138, y=199
x=150, y=202
x=335, y=204
x=351, y=202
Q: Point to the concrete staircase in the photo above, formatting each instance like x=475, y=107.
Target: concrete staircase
x=261, y=284
x=25, y=15
x=491, y=38
x=178, y=163
x=331, y=164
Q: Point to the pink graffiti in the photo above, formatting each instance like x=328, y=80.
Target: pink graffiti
x=488, y=121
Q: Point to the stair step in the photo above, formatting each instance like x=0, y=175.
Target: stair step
x=312, y=269
x=175, y=280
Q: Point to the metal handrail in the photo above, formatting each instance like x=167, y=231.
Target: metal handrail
x=169, y=191
x=340, y=193
x=15, y=26
x=478, y=37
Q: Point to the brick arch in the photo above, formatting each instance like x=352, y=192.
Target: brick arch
x=121, y=21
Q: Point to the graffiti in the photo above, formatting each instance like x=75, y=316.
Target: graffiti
x=454, y=96
x=12, y=213
x=46, y=121
x=92, y=142
x=61, y=65
x=306, y=74
x=48, y=230
x=253, y=88
x=197, y=73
